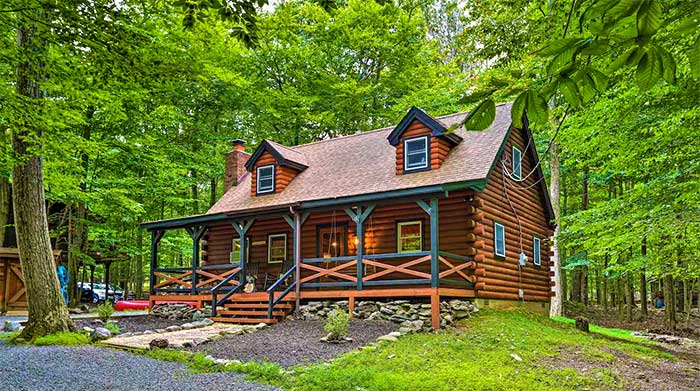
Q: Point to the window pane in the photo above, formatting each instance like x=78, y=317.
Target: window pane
x=266, y=178
x=410, y=237
x=277, y=248
x=517, y=159
x=236, y=251
x=500, y=240
x=416, y=153
x=536, y=246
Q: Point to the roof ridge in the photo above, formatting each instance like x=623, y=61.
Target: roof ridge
x=360, y=133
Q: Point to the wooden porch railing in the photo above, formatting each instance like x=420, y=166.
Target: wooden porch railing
x=272, y=301
x=380, y=268
x=179, y=279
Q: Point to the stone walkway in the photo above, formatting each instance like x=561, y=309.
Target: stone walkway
x=179, y=339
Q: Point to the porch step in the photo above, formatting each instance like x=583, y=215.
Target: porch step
x=244, y=320
x=249, y=313
x=256, y=305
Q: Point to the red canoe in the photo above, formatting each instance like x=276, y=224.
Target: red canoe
x=126, y=305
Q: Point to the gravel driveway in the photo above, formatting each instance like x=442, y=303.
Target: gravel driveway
x=91, y=368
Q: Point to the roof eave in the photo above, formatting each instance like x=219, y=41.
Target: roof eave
x=415, y=113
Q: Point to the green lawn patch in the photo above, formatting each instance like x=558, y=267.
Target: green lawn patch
x=494, y=350
x=63, y=339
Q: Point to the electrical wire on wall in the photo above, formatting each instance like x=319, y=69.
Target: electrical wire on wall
x=520, y=227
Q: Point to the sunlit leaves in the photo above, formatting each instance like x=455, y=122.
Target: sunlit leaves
x=532, y=104
x=649, y=69
x=694, y=57
x=649, y=17
x=482, y=116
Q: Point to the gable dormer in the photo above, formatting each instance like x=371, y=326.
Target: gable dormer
x=273, y=166
x=422, y=143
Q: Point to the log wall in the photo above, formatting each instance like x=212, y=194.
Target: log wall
x=521, y=210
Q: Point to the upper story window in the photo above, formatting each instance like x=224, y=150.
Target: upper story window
x=409, y=237
x=266, y=179
x=499, y=234
x=517, y=163
x=536, y=256
x=416, y=153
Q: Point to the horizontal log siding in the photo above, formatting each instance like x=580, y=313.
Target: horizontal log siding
x=501, y=278
x=283, y=175
x=456, y=235
x=439, y=148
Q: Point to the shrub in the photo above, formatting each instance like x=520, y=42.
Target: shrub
x=337, y=324
x=113, y=328
x=105, y=311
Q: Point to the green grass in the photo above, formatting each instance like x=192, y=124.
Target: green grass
x=477, y=356
x=63, y=339
x=4, y=336
x=613, y=333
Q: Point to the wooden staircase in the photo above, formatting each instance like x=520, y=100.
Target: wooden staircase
x=252, y=308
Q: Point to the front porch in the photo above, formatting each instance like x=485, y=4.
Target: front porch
x=341, y=252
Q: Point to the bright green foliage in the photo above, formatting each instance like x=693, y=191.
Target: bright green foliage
x=63, y=339
x=113, y=328
x=337, y=324
x=105, y=311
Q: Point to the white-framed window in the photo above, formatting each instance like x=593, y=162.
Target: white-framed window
x=517, y=163
x=235, y=256
x=536, y=253
x=265, y=179
x=416, y=153
x=499, y=234
x=276, y=248
x=409, y=236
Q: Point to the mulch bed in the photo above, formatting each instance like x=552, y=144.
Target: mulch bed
x=132, y=324
x=294, y=342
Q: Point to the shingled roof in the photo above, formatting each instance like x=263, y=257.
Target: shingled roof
x=365, y=163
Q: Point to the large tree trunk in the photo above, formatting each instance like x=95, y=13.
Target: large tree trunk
x=584, y=269
x=629, y=297
x=4, y=206
x=47, y=311
x=670, y=301
x=556, y=308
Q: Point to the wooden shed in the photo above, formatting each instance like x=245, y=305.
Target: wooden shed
x=13, y=296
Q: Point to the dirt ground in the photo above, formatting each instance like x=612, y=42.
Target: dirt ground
x=295, y=341
x=655, y=322
x=682, y=374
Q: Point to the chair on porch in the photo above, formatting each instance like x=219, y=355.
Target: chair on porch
x=252, y=269
x=270, y=278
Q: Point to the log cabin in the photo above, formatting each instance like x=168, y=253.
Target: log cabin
x=423, y=210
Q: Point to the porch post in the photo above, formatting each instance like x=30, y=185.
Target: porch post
x=296, y=224
x=434, y=243
x=242, y=228
x=359, y=218
x=196, y=234
x=432, y=211
x=155, y=239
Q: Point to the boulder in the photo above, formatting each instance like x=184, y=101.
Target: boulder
x=100, y=333
x=387, y=338
x=582, y=324
x=158, y=343
x=172, y=328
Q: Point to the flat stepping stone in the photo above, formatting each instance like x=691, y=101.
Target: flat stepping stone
x=176, y=339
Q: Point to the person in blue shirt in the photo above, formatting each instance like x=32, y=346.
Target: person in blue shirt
x=63, y=279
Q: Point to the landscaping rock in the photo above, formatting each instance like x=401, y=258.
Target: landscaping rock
x=88, y=330
x=100, y=333
x=387, y=338
x=195, y=342
x=173, y=328
x=582, y=324
x=158, y=343
x=412, y=316
x=180, y=311
x=74, y=310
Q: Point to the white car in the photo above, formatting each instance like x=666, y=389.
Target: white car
x=99, y=290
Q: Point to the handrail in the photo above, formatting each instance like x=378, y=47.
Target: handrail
x=330, y=259
x=456, y=256
x=271, y=290
x=214, y=301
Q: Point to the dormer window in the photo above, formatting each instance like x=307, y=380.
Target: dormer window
x=266, y=179
x=517, y=163
x=416, y=154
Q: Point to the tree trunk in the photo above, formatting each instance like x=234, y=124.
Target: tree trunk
x=620, y=298
x=47, y=311
x=138, y=291
x=4, y=206
x=605, y=284
x=629, y=297
x=212, y=192
x=643, y=283
x=670, y=301
x=556, y=308
x=584, y=206
x=576, y=284
x=76, y=246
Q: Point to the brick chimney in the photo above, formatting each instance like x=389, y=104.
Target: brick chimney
x=235, y=163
